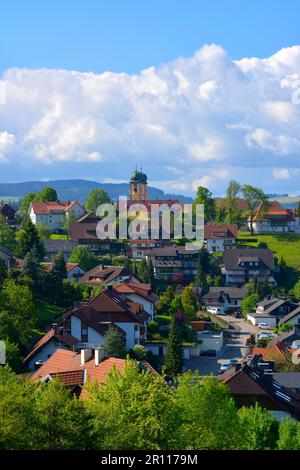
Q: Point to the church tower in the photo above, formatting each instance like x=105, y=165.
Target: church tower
x=138, y=186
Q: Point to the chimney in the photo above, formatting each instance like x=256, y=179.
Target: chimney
x=85, y=356
x=99, y=356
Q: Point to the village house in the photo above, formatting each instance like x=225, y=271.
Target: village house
x=54, y=215
x=88, y=323
x=103, y=275
x=140, y=293
x=243, y=265
x=52, y=247
x=219, y=237
x=84, y=232
x=253, y=382
x=292, y=317
x=174, y=263
x=74, y=270
x=55, y=338
x=225, y=298
x=274, y=219
x=141, y=248
x=290, y=338
x=76, y=369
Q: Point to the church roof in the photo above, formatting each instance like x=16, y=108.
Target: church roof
x=138, y=177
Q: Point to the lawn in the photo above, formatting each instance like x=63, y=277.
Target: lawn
x=55, y=236
x=47, y=313
x=286, y=245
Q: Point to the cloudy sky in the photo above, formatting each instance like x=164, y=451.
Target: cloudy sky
x=201, y=116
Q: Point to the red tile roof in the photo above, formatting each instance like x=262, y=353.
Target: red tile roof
x=66, y=366
x=44, y=208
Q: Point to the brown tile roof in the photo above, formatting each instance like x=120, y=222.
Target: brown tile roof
x=275, y=208
x=240, y=383
x=69, y=378
x=44, y=208
x=214, y=231
x=105, y=274
x=279, y=353
x=144, y=290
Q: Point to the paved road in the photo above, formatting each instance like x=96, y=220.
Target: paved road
x=234, y=347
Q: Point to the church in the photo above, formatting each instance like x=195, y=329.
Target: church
x=139, y=191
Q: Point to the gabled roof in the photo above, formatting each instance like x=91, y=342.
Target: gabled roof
x=232, y=292
x=278, y=352
x=65, y=339
x=143, y=290
x=232, y=257
x=96, y=321
x=66, y=366
x=89, y=217
x=105, y=274
x=252, y=381
x=65, y=246
x=111, y=301
x=45, y=208
x=274, y=209
x=290, y=315
x=214, y=231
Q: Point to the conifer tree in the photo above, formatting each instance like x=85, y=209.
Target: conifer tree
x=174, y=357
x=28, y=239
x=114, y=344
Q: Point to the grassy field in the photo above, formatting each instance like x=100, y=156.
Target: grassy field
x=47, y=313
x=286, y=245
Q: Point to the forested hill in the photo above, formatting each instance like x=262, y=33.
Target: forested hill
x=79, y=189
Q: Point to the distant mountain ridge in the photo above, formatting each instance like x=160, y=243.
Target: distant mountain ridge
x=79, y=189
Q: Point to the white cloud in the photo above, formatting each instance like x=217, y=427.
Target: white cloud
x=281, y=173
x=205, y=118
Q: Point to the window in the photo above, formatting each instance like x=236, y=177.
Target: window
x=84, y=332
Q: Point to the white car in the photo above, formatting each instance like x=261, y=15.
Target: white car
x=226, y=365
x=264, y=335
x=263, y=326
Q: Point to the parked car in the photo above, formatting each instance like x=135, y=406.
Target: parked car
x=263, y=326
x=215, y=310
x=264, y=335
x=225, y=366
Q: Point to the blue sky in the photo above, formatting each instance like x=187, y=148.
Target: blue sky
x=198, y=92
x=129, y=35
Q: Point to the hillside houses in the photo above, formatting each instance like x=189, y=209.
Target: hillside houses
x=275, y=219
x=54, y=214
x=243, y=265
x=218, y=238
x=103, y=275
